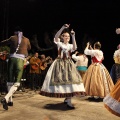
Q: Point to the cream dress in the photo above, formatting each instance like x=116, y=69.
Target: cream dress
x=62, y=78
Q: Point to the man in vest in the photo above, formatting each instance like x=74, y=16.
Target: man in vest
x=19, y=46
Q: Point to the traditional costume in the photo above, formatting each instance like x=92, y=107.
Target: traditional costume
x=81, y=63
x=62, y=79
x=112, y=100
x=19, y=46
x=97, y=80
x=115, y=70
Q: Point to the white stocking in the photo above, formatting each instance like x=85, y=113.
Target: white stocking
x=9, y=85
x=69, y=102
x=12, y=90
x=66, y=100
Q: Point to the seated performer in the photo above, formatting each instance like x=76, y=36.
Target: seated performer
x=35, y=71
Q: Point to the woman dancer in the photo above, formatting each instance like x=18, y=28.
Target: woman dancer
x=81, y=62
x=112, y=100
x=115, y=70
x=97, y=79
x=62, y=79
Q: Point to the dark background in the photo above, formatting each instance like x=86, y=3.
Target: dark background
x=92, y=20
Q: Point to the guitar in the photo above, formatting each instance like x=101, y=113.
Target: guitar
x=37, y=65
x=43, y=66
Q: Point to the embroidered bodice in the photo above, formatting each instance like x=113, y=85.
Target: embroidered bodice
x=64, y=50
x=94, y=60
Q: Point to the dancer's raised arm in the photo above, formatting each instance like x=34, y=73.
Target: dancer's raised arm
x=73, y=40
x=57, y=35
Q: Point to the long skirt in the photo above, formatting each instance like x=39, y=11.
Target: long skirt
x=115, y=72
x=97, y=80
x=112, y=100
x=62, y=80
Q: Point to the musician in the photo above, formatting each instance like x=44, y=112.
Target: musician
x=4, y=55
x=35, y=71
x=45, y=64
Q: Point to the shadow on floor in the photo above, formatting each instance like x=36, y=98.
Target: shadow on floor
x=58, y=106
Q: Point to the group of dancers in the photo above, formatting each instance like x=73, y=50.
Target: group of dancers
x=64, y=81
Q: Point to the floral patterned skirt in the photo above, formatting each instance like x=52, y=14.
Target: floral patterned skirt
x=62, y=80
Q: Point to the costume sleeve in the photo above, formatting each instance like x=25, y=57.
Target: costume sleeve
x=71, y=47
x=97, y=53
x=76, y=58
x=57, y=41
x=89, y=52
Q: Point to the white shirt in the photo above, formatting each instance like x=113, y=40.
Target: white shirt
x=94, y=53
x=65, y=48
x=81, y=60
x=116, y=53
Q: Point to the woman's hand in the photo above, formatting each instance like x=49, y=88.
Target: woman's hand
x=90, y=47
x=88, y=44
x=66, y=25
x=117, y=30
x=72, y=32
x=76, y=52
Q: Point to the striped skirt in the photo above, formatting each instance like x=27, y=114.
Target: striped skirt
x=97, y=80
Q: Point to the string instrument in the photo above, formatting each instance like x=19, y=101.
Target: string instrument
x=37, y=65
x=43, y=66
x=3, y=55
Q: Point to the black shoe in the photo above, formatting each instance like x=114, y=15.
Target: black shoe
x=10, y=103
x=5, y=106
x=99, y=99
x=71, y=107
x=65, y=102
x=91, y=99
